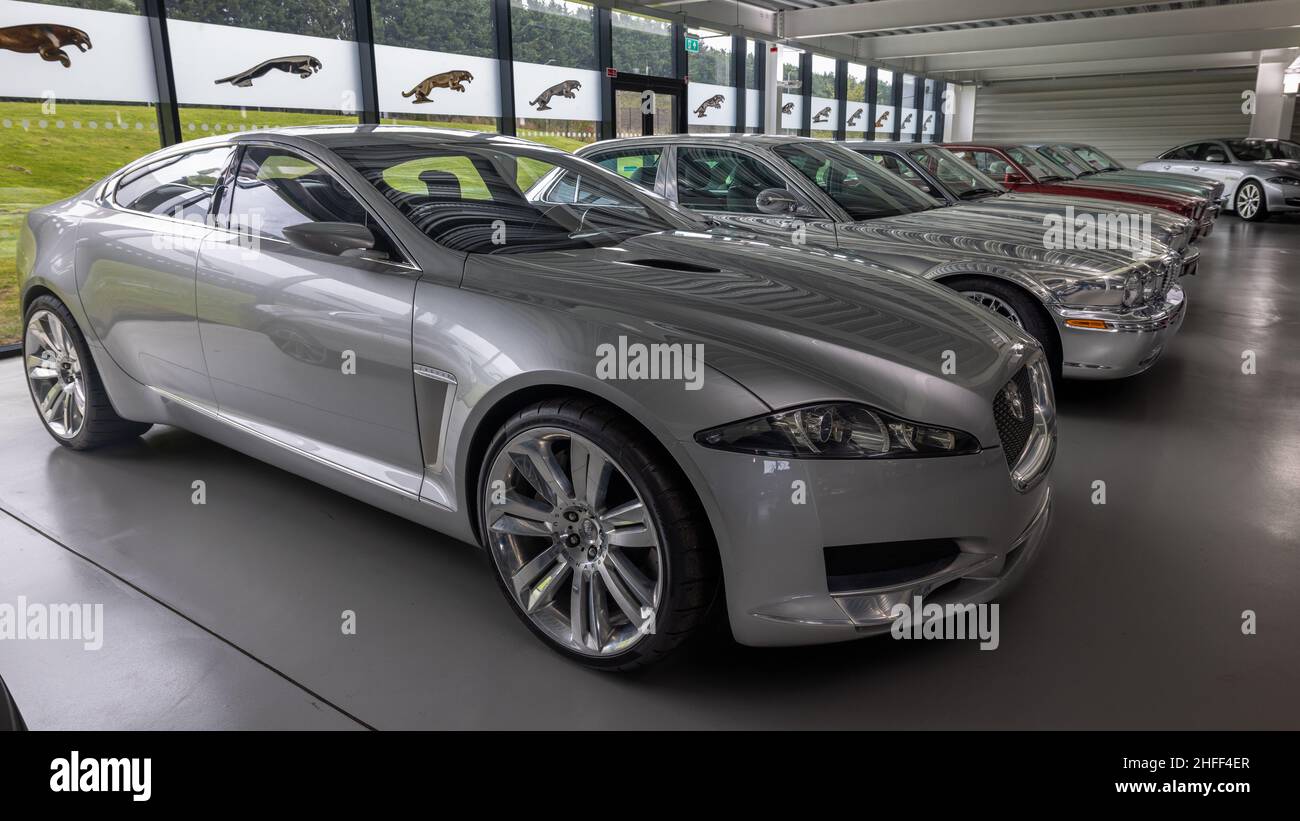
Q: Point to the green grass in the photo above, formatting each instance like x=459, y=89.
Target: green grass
x=40, y=164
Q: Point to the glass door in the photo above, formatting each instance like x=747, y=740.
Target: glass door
x=645, y=106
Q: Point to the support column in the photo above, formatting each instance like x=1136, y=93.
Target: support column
x=961, y=125
x=772, y=89
x=1267, y=119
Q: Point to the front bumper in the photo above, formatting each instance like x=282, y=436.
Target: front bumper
x=782, y=523
x=1128, y=345
x=1282, y=197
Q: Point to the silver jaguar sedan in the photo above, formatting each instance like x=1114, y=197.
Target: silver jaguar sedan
x=625, y=409
x=1261, y=177
x=1099, y=313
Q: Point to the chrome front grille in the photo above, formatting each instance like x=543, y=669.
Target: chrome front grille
x=1024, y=412
x=1013, y=413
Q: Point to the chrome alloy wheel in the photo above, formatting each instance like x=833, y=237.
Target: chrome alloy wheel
x=54, y=374
x=995, y=304
x=1248, y=200
x=573, y=541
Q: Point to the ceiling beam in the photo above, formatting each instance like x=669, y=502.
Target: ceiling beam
x=1095, y=68
x=884, y=15
x=1270, y=14
x=1188, y=44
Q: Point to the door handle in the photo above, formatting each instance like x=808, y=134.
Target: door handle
x=1166, y=168
x=1196, y=168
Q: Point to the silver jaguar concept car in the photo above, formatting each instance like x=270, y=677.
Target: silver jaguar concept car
x=625, y=409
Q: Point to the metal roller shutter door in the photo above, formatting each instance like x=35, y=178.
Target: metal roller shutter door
x=1133, y=117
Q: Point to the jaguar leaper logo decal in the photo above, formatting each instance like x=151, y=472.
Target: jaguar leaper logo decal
x=906, y=121
x=453, y=80
x=823, y=115
x=880, y=123
x=928, y=118
x=715, y=101
x=565, y=89
x=853, y=119
x=45, y=39
x=1015, y=402
x=788, y=108
x=304, y=65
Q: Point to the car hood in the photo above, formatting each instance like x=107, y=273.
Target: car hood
x=1127, y=188
x=791, y=323
x=947, y=237
x=1167, y=228
x=1288, y=166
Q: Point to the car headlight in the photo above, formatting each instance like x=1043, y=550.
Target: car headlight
x=1150, y=278
x=838, y=430
x=1285, y=180
x=1132, y=291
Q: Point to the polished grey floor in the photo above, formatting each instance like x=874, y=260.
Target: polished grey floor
x=227, y=615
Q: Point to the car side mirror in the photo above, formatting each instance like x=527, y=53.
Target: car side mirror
x=333, y=238
x=1216, y=156
x=1013, y=178
x=776, y=201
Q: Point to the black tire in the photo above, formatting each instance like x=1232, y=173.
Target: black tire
x=1032, y=315
x=690, y=564
x=1251, y=188
x=102, y=426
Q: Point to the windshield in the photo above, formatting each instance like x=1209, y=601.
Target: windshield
x=859, y=186
x=963, y=180
x=1097, y=158
x=507, y=198
x=1038, y=166
x=1065, y=158
x=1255, y=150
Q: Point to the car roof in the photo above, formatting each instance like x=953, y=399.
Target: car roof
x=891, y=146
x=749, y=139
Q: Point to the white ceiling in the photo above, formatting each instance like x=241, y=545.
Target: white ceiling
x=977, y=40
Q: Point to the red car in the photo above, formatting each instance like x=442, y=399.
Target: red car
x=1020, y=168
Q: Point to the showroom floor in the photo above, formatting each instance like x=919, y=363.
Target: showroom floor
x=227, y=615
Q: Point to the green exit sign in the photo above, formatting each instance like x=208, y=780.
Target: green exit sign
x=692, y=45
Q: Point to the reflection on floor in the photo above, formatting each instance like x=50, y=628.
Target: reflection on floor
x=228, y=615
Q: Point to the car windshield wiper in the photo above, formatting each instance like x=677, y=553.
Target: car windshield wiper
x=976, y=193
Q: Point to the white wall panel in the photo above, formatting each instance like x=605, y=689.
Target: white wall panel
x=1132, y=117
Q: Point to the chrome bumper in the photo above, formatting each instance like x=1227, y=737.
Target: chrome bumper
x=1128, y=345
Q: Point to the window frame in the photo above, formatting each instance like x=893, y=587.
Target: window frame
x=223, y=203
x=109, y=195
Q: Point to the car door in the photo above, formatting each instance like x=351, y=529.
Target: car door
x=725, y=184
x=135, y=263
x=1181, y=159
x=310, y=349
x=1213, y=161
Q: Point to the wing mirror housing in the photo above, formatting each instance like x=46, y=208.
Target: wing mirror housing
x=1013, y=178
x=776, y=201
x=1216, y=156
x=333, y=238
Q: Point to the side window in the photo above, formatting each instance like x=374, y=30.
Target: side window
x=894, y=165
x=720, y=180
x=573, y=188
x=180, y=186
x=1204, y=150
x=986, y=161
x=639, y=166
x=276, y=188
